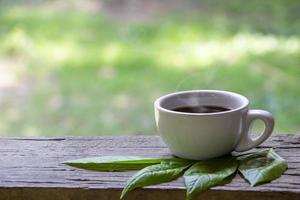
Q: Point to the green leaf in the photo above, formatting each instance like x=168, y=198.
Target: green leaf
x=115, y=163
x=206, y=174
x=166, y=171
x=262, y=167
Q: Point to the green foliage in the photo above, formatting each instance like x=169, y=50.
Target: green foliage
x=116, y=163
x=199, y=176
x=206, y=174
x=166, y=171
x=262, y=167
x=82, y=73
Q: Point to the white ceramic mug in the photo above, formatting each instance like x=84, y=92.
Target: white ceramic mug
x=201, y=136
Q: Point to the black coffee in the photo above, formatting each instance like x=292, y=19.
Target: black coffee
x=201, y=109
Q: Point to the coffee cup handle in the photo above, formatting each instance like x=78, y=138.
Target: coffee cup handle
x=247, y=142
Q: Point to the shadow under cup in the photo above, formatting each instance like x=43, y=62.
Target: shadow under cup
x=201, y=136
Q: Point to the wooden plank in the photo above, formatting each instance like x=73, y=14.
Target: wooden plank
x=31, y=168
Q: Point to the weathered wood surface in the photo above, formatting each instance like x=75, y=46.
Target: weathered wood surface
x=31, y=168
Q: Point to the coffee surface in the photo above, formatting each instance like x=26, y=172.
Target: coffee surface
x=201, y=109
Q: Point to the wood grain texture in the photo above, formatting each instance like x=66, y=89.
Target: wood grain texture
x=31, y=168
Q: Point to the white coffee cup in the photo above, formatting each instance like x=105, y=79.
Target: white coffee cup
x=200, y=136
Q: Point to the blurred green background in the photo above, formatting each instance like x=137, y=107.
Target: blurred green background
x=95, y=67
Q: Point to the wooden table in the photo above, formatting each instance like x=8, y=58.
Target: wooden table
x=31, y=168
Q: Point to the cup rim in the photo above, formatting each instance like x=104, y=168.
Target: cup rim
x=157, y=103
